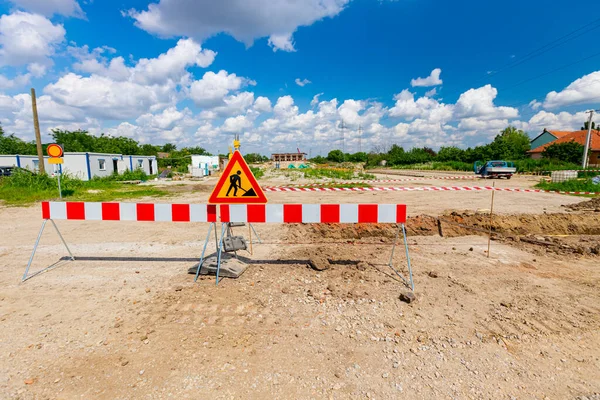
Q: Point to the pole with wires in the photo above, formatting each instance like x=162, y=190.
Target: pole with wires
x=586, y=149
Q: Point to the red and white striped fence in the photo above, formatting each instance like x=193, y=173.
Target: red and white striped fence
x=420, y=178
x=416, y=189
x=251, y=213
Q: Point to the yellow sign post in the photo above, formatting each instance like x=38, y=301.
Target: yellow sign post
x=55, y=152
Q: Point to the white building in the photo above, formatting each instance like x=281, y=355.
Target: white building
x=203, y=165
x=86, y=166
x=28, y=162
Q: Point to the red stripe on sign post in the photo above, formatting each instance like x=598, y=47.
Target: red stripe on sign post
x=211, y=213
x=224, y=209
x=292, y=213
x=330, y=213
x=111, y=211
x=75, y=210
x=145, y=212
x=367, y=213
x=45, y=210
x=180, y=212
x=401, y=213
x=256, y=213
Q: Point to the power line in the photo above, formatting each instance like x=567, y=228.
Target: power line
x=544, y=49
x=553, y=70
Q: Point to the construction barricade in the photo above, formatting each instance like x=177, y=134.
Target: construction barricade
x=225, y=214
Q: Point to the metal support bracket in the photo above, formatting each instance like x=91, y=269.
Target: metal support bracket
x=37, y=242
x=409, y=282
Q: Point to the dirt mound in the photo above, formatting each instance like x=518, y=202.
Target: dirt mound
x=589, y=205
x=426, y=225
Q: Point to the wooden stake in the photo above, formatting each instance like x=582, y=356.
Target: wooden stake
x=250, y=233
x=491, y=217
x=38, y=136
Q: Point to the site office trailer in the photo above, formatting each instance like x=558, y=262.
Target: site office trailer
x=29, y=162
x=86, y=166
x=146, y=163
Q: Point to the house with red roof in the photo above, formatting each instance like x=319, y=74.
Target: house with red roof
x=565, y=137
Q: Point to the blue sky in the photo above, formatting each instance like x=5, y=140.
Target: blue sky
x=196, y=72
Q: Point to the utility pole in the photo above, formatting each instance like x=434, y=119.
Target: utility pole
x=38, y=136
x=586, y=148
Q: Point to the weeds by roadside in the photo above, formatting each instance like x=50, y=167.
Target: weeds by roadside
x=574, y=185
x=23, y=188
x=523, y=166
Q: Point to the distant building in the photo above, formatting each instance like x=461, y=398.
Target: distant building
x=86, y=166
x=24, y=161
x=565, y=137
x=547, y=137
x=286, y=157
x=203, y=165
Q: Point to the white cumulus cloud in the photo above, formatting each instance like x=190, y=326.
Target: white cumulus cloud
x=245, y=20
x=432, y=80
x=28, y=39
x=68, y=8
x=480, y=103
x=212, y=88
x=302, y=82
x=581, y=91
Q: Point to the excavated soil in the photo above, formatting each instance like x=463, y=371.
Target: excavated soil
x=589, y=205
x=425, y=225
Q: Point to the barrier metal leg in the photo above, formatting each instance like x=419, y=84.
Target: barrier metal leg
x=219, y=251
x=412, y=285
x=63, y=240
x=204, y=249
x=256, y=234
x=35, y=246
x=391, y=265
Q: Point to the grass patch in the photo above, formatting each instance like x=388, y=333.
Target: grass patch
x=523, y=166
x=337, y=185
x=257, y=172
x=23, y=188
x=366, y=177
x=573, y=185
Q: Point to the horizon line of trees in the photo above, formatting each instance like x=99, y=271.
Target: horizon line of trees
x=82, y=141
x=511, y=144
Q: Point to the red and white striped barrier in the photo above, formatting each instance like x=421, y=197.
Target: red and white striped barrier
x=417, y=189
x=422, y=178
x=251, y=213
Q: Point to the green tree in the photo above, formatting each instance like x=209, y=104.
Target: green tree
x=75, y=141
x=568, y=151
x=586, y=125
x=357, y=157
x=511, y=143
x=169, y=147
x=149, y=150
x=451, y=153
x=10, y=144
x=336, y=156
x=255, y=158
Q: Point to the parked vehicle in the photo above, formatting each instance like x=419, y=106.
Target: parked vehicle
x=495, y=169
x=8, y=171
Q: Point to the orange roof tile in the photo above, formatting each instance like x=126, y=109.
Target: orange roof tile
x=577, y=136
x=560, y=134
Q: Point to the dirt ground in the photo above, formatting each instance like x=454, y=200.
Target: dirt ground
x=126, y=321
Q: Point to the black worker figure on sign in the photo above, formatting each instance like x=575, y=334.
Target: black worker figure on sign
x=235, y=183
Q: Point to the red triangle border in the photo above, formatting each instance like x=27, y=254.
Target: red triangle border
x=237, y=157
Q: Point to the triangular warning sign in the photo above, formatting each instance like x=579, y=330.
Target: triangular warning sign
x=237, y=184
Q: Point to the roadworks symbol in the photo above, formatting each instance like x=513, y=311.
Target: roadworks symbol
x=237, y=184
